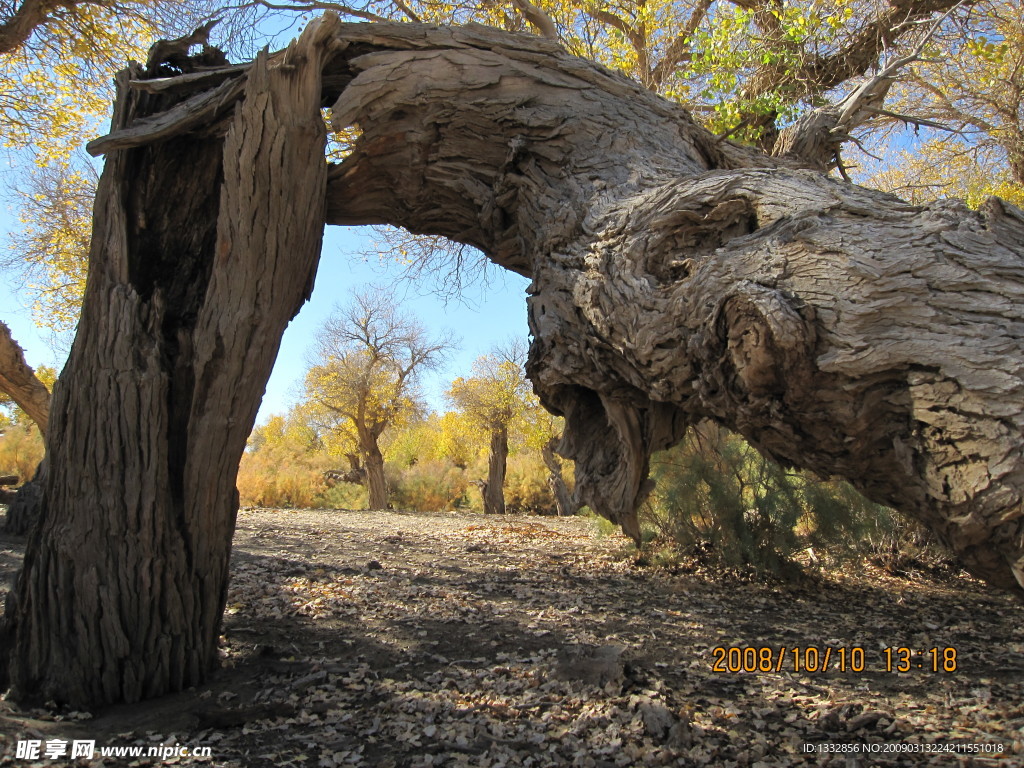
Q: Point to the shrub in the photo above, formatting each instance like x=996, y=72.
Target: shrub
x=342, y=496
x=526, y=485
x=21, y=450
x=717, y=495
x=275, y=477
x=429, y=486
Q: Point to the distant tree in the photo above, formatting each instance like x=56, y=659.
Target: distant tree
x=368, y=359
x=496, y=394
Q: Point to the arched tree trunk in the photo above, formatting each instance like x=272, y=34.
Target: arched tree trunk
x=19, y=381
x=677, y=278
x=497, y=461
x=674, y=278
x=203, y=248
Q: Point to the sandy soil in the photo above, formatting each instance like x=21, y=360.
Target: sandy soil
x=407, y=639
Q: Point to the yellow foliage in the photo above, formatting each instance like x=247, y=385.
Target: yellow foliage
x=970, y=81
x=526, y=486
x=941, y=168
x=271, y=480
x=55, y=93
x=460, y=440
x=430, y=486
x=283, y=465
x=53, y=244
x=497, y=393
x=21, y=449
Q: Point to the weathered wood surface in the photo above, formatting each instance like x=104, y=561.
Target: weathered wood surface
x=674, y=278
x=203, y=249
x=677, y=278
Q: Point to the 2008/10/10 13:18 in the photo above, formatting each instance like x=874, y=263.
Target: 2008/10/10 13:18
x=810, y=659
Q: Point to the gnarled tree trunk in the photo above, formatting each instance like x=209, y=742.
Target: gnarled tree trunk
x=678, y=278
x=565, y=504
x=203, y=248
x=674, y=278
x=376, y=481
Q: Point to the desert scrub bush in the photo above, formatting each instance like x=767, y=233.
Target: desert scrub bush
x=267, y=478
x=342, y=496
x=21, y=449
x=428, y=486
x=526, y=485
x=717, y=495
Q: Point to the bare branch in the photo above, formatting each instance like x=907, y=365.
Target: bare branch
x=616, y=22
x=309, y=7
x=874, y=91
x=918, y=121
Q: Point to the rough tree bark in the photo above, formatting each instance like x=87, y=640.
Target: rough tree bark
x=373, y=463
x=23, y=504
x=203, y=248
x=497, y=462
x=674, y=278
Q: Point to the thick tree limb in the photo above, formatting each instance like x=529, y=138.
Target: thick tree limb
x=18, y=380
x=16, y=28
x=678, y=50
x=536, y=16
x=675, y=279
x=818, y=135
x=857, y=56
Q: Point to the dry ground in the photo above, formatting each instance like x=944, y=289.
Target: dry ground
x=401, y=639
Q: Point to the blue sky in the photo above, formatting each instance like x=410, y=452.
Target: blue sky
x=486, y=315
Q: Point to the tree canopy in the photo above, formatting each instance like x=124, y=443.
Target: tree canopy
x=369, y=357
x=495, y=395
